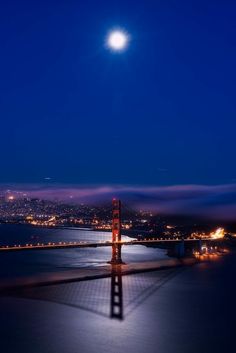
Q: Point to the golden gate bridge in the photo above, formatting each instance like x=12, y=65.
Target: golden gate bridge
x=116, y=241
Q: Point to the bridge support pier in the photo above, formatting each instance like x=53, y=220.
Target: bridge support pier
x=116, y=255
x=199, y=246
x=180, y=249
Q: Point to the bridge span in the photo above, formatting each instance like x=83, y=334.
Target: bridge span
x=73, y=245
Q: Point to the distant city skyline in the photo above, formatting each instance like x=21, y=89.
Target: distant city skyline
x=207, y=201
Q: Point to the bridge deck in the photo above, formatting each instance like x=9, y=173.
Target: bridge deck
x=71, y=245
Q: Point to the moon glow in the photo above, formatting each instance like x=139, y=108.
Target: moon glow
x=117, y=40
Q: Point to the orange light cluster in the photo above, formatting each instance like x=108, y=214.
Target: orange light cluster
x=218, y=234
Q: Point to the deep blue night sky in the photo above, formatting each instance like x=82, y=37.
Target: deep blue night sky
x=161, y=113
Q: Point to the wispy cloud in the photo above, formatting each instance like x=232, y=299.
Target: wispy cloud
x=211, y=201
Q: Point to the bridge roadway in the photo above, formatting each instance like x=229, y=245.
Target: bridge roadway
x=72, y=245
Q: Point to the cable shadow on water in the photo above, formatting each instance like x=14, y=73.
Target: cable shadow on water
x=114, y=297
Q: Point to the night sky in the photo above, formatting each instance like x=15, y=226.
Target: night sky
x=160, y=113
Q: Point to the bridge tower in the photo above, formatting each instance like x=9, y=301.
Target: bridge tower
x=116, y=232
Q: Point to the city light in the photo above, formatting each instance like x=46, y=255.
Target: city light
x=218, y=234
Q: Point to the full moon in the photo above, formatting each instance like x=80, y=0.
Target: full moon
x=117, y=40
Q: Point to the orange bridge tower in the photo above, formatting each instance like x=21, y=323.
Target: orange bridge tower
x=116, y=232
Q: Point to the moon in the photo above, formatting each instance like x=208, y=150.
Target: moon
x=117, y=40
